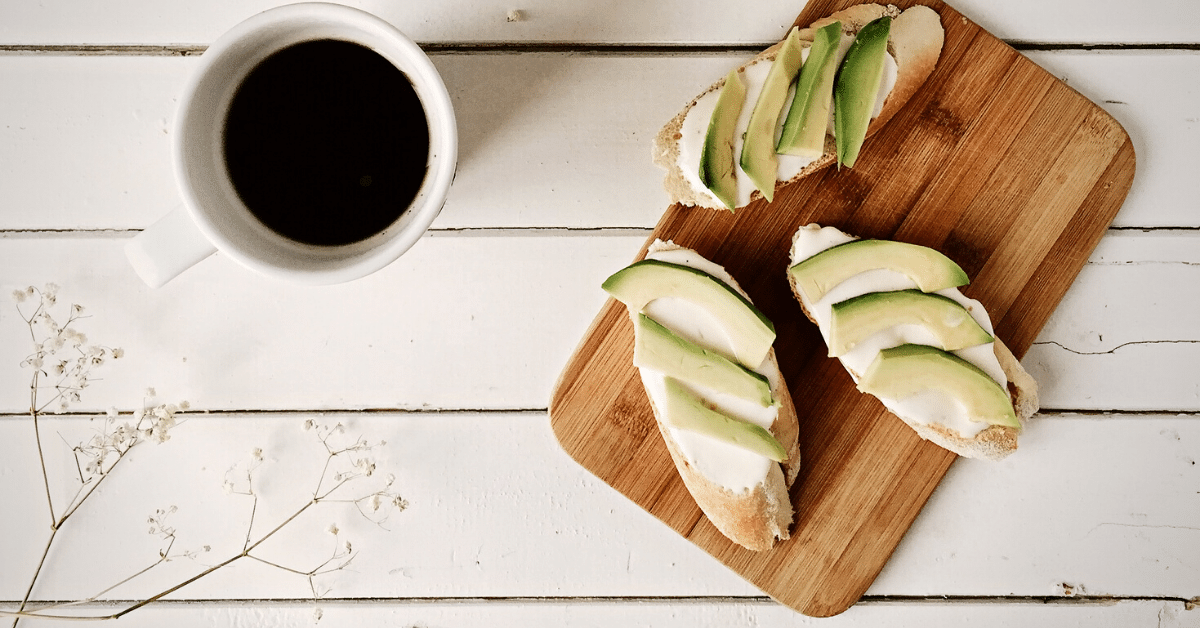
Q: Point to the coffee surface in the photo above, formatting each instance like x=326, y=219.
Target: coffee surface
x=326, y=142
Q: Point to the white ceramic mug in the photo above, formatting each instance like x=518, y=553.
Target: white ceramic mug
x=213, y=217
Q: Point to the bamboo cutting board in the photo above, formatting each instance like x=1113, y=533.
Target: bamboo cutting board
x=994, y=162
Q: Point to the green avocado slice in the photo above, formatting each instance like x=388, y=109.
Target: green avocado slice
x=855, y=319
x=656, y=347
x=857, y=88
x=686, y=411
x=928, y=268
x=758, y=158
x=807, y=120
x=903, y=371
x=750, y=332
x=716, y=159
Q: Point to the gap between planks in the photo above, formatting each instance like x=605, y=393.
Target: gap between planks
x=492, y=48
x=616, y=232
x=540, y=413
x=867, y=600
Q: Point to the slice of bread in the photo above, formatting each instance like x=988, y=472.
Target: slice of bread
x=993, y=442
x=915, y=42
x=757, y=517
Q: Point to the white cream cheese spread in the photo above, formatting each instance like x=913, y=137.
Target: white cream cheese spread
x=927, y=407
x=725, y=464
x=695, y=124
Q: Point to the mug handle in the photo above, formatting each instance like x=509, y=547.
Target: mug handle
x=167, y=248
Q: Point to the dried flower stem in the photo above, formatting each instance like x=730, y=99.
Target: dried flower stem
x=106, y=450
x=248, y=547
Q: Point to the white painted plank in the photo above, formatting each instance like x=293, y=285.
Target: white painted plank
x=546, y=140
x=659, y=613
x=487, y=321
x=85, y=142
x=464, y=321
x=696, y=22
x=1126, y=333
x=1086, y=506
x=1104, y=506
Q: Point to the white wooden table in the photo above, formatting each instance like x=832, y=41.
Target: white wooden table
x=450, y=353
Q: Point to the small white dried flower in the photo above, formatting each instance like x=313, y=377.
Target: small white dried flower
x=76, y=309
x=318, y=614
x=227, y=486
x=309, y=424
x=112, y=413
x=257, y=454
x=121, y=435
x=151, y=393
x=333, y=529
x=347, y=547
x=19, y=296
x=160, y=434
x=118, y=353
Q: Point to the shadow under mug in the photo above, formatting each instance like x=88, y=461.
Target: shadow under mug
x=213, y=216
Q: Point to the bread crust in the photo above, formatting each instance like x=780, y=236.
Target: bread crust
x=754, y=519
x=915, y=41
x=993, y=442
x=758, y=517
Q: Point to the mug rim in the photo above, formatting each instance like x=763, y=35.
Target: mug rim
x=234, y=230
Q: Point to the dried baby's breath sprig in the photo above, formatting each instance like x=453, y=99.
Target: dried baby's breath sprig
x=62, y=361
x=62, y=355
x=349, y=462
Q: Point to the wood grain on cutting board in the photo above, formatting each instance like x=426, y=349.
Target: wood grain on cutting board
x=994, y=162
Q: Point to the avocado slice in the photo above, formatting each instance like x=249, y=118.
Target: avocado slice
x=656, y=347
x=686, y=411
x=758, y=158
x=857, y=88
x=716, y=160
x=903, y=371
x=750, y=332
x=929, y=269
x=855, y=319
x=808, y=118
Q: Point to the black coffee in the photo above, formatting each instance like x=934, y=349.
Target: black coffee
x=326, y=142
